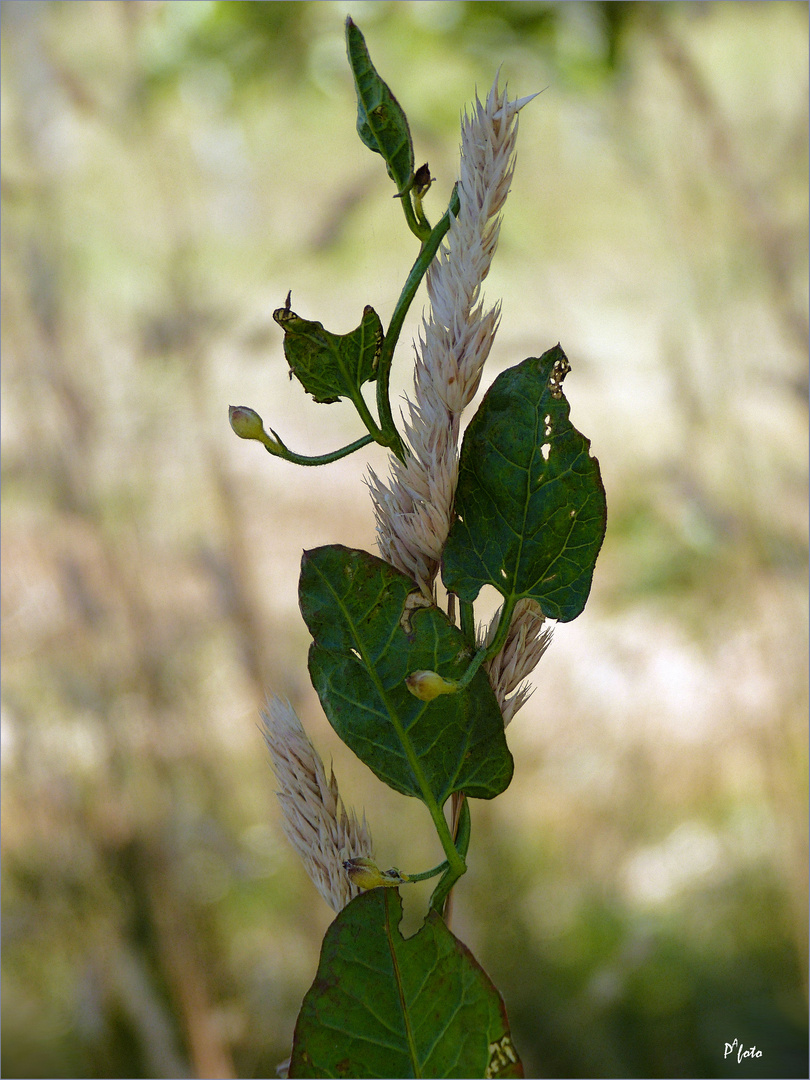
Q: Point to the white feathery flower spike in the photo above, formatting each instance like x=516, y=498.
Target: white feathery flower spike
x=526, y=642
x=414, y=507
x=314, y=819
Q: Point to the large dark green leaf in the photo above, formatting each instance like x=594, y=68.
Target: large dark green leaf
x=384, y=1006
x=331, y=366
x=530, y=506
x=368, y=637
x=381, y=123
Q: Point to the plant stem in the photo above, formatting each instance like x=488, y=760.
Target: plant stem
x=501, y=633
x=364, y=414
x=475, y=664
x=429, y=248
x=280, y=450
x=461, y=822
x=420, y=214
x=456, y=865
x=420, y=228
x=467, y=621
x=461, y=825
x=440, y=869
x=486, y=652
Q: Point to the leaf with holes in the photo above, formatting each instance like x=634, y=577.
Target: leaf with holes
x=381, y=123
x=530, y=509
x=331, y=366
x=372, y=629
x=382, y=1005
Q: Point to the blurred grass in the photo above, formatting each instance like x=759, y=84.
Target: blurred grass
x=169, y=172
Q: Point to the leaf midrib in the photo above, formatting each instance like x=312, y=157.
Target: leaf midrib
x=402, y=735
x=389, y=933
x=513, y=595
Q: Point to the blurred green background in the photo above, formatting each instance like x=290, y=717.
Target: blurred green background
x=169, y=171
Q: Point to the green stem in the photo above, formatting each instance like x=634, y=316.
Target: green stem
x=498, y=642
x=456, y=866
x=475, y=664
x=440, y=869
x=462, y=841
x=502, y=632
x=441, y=893
x=442, y=890
x=278, y=449
x=464, y=826
x=420, y=228
x=364, y=414
x=420, y=214
x=430, y=247
x=467, y=621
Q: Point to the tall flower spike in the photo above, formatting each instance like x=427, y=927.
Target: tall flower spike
x=414, y=507
x=314, y=819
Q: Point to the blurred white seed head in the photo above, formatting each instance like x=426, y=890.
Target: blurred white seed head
x=414, y=507
x=314, y=819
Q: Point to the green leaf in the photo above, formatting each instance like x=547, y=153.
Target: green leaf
x=384, y=1006
x=371, y=630
x=530, y=509
x=381, y=123
x=331, y=366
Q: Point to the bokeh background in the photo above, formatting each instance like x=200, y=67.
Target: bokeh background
x=169, y=172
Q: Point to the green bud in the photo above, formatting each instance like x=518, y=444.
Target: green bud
x=365, y=874
x=427, y=685
x=246, y=423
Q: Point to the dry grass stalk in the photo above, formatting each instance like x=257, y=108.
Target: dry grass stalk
x=414, y=507
x=314, y=818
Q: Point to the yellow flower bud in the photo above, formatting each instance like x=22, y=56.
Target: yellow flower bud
x=246, y=422
x=365, y=874
x=249, y=425
x=426, y=685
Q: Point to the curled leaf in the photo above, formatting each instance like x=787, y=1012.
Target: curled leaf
x=331, y=366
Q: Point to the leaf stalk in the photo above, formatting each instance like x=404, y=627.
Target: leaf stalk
x=440, y=869
x=278, y=449
x=417, y=222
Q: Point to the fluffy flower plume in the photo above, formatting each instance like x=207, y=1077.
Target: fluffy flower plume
x=413, y=509
x=315, y=821
x=528, y=639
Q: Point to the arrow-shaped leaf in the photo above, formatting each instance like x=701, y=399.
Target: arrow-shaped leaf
x=384, y=1006
x=381, y=123
x=372, y=630
x=530, y=506
x=331, y=366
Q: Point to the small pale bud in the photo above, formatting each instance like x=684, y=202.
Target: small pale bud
x=365, y=874
x=246, y=423
x=426, y=685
